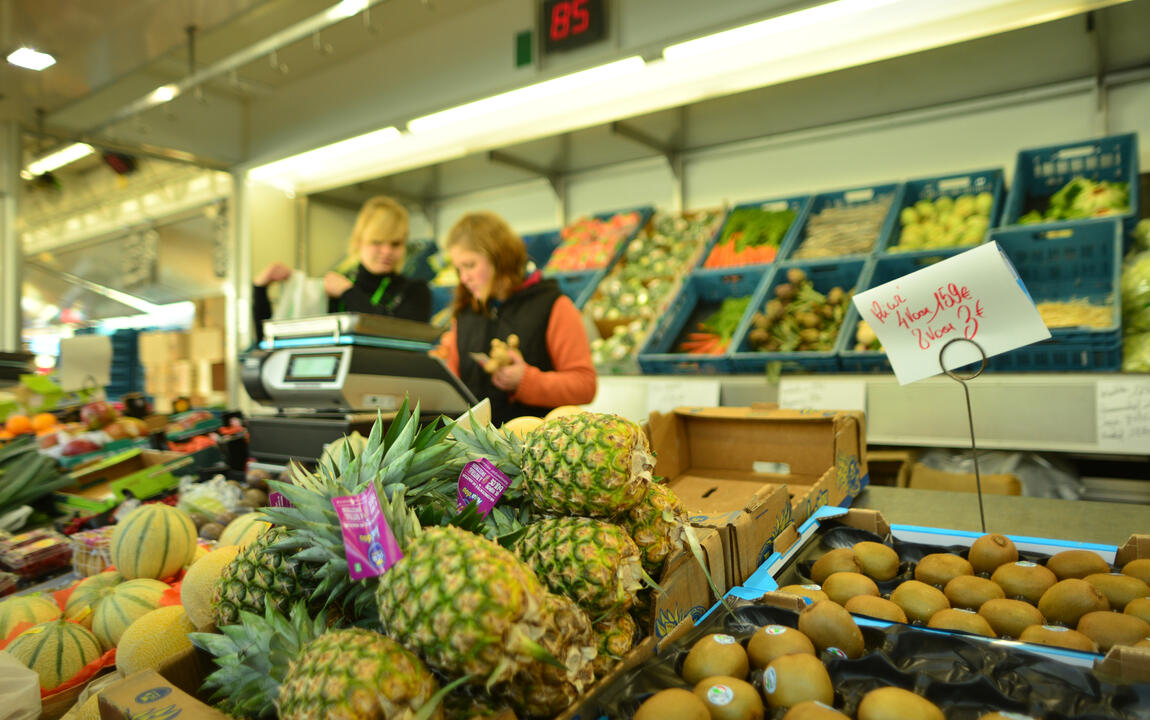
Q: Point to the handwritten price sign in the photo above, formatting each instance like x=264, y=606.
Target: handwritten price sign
x=976, y=295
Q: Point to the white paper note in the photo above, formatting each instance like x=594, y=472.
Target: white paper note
x=665, y=396
x=822, y=394
x=1123, y=414
x=85, y=362
x=976, y=295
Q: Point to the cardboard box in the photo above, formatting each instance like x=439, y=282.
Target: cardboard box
x=749, y=472
x=686, y=591
x=102, y=485
x=211, y=312
x=206, y=343
x=927, y=478
x=162, y=346
x=148, y=694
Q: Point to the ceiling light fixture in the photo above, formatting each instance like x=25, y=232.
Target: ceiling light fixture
x=528, y=94
x=26, y=57
x=317, y=160
x=163, y=94
x=58, y=159
x=348, y=8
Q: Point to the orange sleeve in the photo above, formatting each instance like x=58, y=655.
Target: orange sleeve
x=448, y=349
x=573, y=381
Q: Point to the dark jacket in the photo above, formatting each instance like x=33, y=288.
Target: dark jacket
x=402, y=297
x=526, y=314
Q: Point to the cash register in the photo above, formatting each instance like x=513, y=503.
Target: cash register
x=331, y=375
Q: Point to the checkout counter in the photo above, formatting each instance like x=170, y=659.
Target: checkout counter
x=332, y=375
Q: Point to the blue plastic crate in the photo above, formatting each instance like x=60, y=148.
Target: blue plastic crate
x=699, y=297
x=954, y=185
x=541, y=245
x=418, y=263
x=1041, y=172
x=800, y=204
x=847, y=274
x=886, y=269
x=580, y=285
x=441, y=297
x=848, y=198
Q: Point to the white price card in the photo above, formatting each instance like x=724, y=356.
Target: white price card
x=1123, y=414
x=976, y=295
x=822, y=394
x=666, y=395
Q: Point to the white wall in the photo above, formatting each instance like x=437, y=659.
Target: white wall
x=328, y=233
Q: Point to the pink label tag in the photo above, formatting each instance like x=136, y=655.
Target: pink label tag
x=277, y=499
x=370, y=544
x=482, y=483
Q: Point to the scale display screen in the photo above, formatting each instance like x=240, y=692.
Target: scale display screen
x=313, y=366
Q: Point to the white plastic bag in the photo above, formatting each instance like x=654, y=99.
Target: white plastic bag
x=300, y=297
x=19, y=690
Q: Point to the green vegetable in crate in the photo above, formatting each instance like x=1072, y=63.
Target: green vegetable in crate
x=944, y=222
x=750, y=236
x=865, y=338
x=1083, y=198
x=714, y=334
x=26, y=475
x=799, y=318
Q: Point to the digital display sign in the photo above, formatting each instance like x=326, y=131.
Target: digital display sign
x=570, y=24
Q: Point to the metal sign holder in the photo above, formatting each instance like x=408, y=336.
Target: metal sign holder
x=961, y=380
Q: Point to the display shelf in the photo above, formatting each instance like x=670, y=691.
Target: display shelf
x=1053, y=412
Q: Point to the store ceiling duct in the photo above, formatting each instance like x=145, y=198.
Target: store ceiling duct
x=817, y=40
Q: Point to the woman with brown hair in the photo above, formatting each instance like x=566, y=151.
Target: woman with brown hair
x=375, y=285
x=497, y=297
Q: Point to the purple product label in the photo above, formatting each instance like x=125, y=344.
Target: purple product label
x=371, y=547
x=482, y=483
x=277, y=499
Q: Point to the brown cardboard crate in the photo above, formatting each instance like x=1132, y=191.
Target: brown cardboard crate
x=150, y=694
x=211, y=312
x=927, y=478
x=749, y=472
x=206, y=343
x=686, y=591
x=162, y=346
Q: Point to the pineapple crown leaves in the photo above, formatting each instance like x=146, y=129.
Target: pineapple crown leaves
x=479, y=440
x=253, y=658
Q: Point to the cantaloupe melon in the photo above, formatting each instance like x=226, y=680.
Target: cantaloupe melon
x=88, y=710
x=243, y=530
x=56, y=650
x=122, y=605
x=200, y=552
x=563, y=410
x=153, y=541
x=33, y=609
x=82, y=602
x=154, y=639
x=521, y=426
x=200, y=580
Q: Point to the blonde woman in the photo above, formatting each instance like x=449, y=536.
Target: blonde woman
x=497, y=297
x=375, y=285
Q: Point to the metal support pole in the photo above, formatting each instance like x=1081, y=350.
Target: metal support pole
x=11, y=246
x=238, y=290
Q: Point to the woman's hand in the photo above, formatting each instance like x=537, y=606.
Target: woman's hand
x=335, y=285
x=508, y=377
x=276, y=272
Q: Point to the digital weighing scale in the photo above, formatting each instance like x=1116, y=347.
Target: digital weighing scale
x=328, y=376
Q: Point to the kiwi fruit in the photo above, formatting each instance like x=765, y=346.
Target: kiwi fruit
x=1024, y=580
x=940, y=568
x=1139, y=608
x=971, y=591
x=211, y=531
x=837, y=560
x=918, y=600
x=673, y=704
x=773, y=641
x=1076, y=564
x=1008, y=618
x=715, y=654
x=990, y=551
x=1118, y=588
x=875, y=607
x=1056, y=636
x=1068, y=600
x=792, y=679
x=813, y=710
x=891, y=703
x=728, y=698
x=843, y=586
x=1108, y=629
x=813, y=593
x=878, y=561
x=964, y=620
x=828, y=625
x=1139, y=568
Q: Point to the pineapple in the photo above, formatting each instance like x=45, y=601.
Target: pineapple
x=588, y=464
x=657, y=524
x=469, y=607
x=259, y=577
x=616, y=636
x=594, y=563
x=356, y=673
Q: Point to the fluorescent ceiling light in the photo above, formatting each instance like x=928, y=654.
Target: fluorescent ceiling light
x=320, y=159
x=26, y=57
x=348, y=8
x=525, y=95
x=163, y=94
x=58, y=159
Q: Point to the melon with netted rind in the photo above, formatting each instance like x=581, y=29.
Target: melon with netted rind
x=199, y=581
x=243, y=530
x=154, y=639
x=153, y=541
x=33, y=609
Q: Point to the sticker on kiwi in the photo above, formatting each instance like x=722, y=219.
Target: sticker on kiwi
x=724, y=640
x=811, y=587
x=770, y=681
x=1025, y=563
x=775, y=629
x=1015, y=716
x=836, y=652
x=720, y=695
x=1054, y=628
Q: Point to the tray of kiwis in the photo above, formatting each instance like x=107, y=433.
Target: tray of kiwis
x=755, y=661
x=1073, y=600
